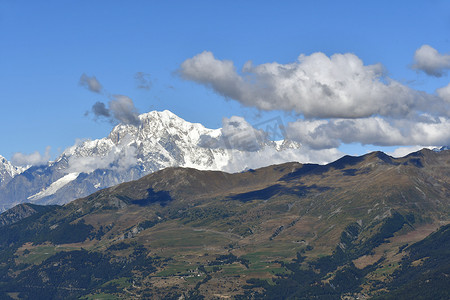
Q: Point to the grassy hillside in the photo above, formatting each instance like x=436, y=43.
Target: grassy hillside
x=352, y=228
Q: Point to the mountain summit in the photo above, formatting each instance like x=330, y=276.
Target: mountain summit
x=129, y=152
x=8, y=171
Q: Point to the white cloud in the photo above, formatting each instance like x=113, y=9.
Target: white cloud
x=118, y=158
x=339, y=100
x=250, y=148
x=315, y=86
x=33, y=159
x=374, y=131
x=91, y=83
x=221, y=76
x=430, y=61
x=269, y=156
x=311, y=134
x=403, y=151
x=236, y=133
x=444, y=92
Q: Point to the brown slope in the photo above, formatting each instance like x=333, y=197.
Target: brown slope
x=327, y=198
x=191, y=217
x=371, y=183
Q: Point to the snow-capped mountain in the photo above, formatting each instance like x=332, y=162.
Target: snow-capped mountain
x=8, y=171
x=443, y=148
x=129, y=152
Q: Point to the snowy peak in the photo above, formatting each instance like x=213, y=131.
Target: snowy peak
x=8, y=170
x=165, y=117
x=165, y=140
x=161, y=140
x=156, y=124
x=99, y=147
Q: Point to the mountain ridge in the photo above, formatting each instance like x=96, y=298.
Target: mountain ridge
x=161, y=140
x=346, y=229
x=8, y=171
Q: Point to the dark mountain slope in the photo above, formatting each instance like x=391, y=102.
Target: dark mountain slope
x=424, y=272
x=20, y=212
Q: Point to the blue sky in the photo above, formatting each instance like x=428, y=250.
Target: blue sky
x=46, y=46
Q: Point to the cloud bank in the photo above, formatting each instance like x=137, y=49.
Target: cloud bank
x=326, y=134
x=250, y=148
x=315, y=86
x=268, y=156
x=429, y=60
x=117, y=159
x=444, y=93
x=338, y=99
x=33, y=159
x=237, y=134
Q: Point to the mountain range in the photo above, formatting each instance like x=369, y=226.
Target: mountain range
x=129, y=152
x=362, y=227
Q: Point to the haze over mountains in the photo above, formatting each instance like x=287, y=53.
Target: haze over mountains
x=161, y=140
